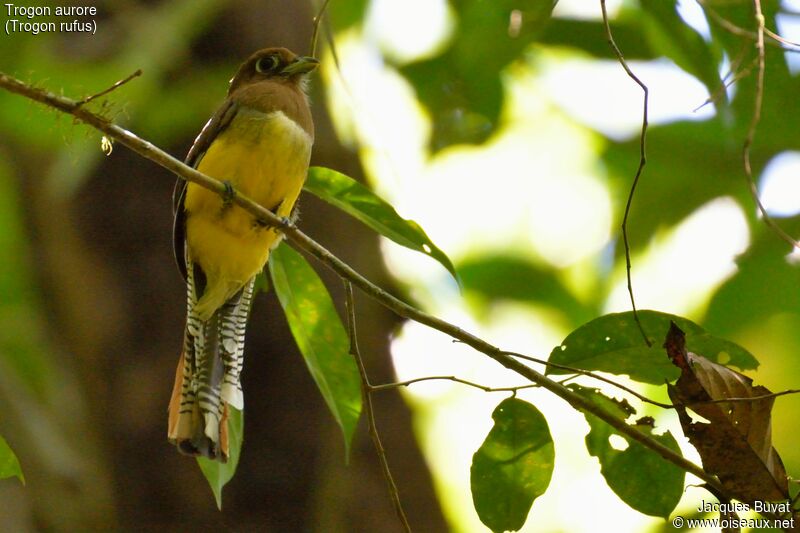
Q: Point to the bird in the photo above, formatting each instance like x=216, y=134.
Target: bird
x=258, y=143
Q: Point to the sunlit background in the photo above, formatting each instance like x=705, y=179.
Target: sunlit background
x=537, y=189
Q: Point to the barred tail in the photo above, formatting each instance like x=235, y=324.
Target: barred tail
x=208, y=376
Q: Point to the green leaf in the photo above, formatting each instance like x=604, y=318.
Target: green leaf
x=9, y=465
x=639, y=476
x=356, y=200
x=320, y=335
x=218, y=474
x=513, y=466
x=613, y=343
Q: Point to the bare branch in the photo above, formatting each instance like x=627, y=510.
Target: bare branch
x=113, y=87
x=485, y=388
x=735, y=73
x=315, y=33
x=638, y=395
x=758, y=102
x=366, y=394
x=730, y=27
x=592, y=375
x=642, y=163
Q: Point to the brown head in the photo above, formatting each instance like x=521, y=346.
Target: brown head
x=277, y=65
x=273, y=79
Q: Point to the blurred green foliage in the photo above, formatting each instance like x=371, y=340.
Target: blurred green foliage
x=462, y=89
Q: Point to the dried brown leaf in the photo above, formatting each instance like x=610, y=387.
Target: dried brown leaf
x=736, y=443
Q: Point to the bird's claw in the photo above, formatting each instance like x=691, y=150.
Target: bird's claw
x=229, y=195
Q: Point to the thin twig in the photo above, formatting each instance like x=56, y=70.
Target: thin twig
x=750, y=399
x=642, y=163
x=366, y=394
x=485, y=388
x=315, y=33
x=730, y=27
x=751, y=131
x=593, y=376
x=120, y=83
x=301, y=241
x=782, y=40
x=734, y=73
x=640, y=396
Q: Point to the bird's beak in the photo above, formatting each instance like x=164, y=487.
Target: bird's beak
x=301, y=65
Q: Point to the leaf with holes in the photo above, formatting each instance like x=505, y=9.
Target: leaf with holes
x=613, y=343
x=356, y=200
x=513, y=466
x=736, y=443
x=218, y=474
x=639, y=476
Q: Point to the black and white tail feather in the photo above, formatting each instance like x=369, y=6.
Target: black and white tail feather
x=208, y=376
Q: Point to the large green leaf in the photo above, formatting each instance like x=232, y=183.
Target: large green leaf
x=356, y=200
x=9, y=465
x=218, y=474
x=639, y=476
x=320, y=335
x=513, y=466
x=613, y=343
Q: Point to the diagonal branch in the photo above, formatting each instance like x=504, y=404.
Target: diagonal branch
x=301, y=241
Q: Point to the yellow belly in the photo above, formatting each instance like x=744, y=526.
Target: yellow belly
x=265, y=157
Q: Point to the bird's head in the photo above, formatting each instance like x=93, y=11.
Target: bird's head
x=274, y=64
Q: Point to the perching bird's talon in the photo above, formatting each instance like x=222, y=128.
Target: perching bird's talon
x=230, y=194
x=284, y=221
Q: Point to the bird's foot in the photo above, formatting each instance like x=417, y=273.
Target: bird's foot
x=229, y=195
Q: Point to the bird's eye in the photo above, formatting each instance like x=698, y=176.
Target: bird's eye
x=267, y=64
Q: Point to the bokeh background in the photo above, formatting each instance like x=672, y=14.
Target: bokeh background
x=510, y=136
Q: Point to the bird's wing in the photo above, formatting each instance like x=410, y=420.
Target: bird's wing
x=215, y=125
